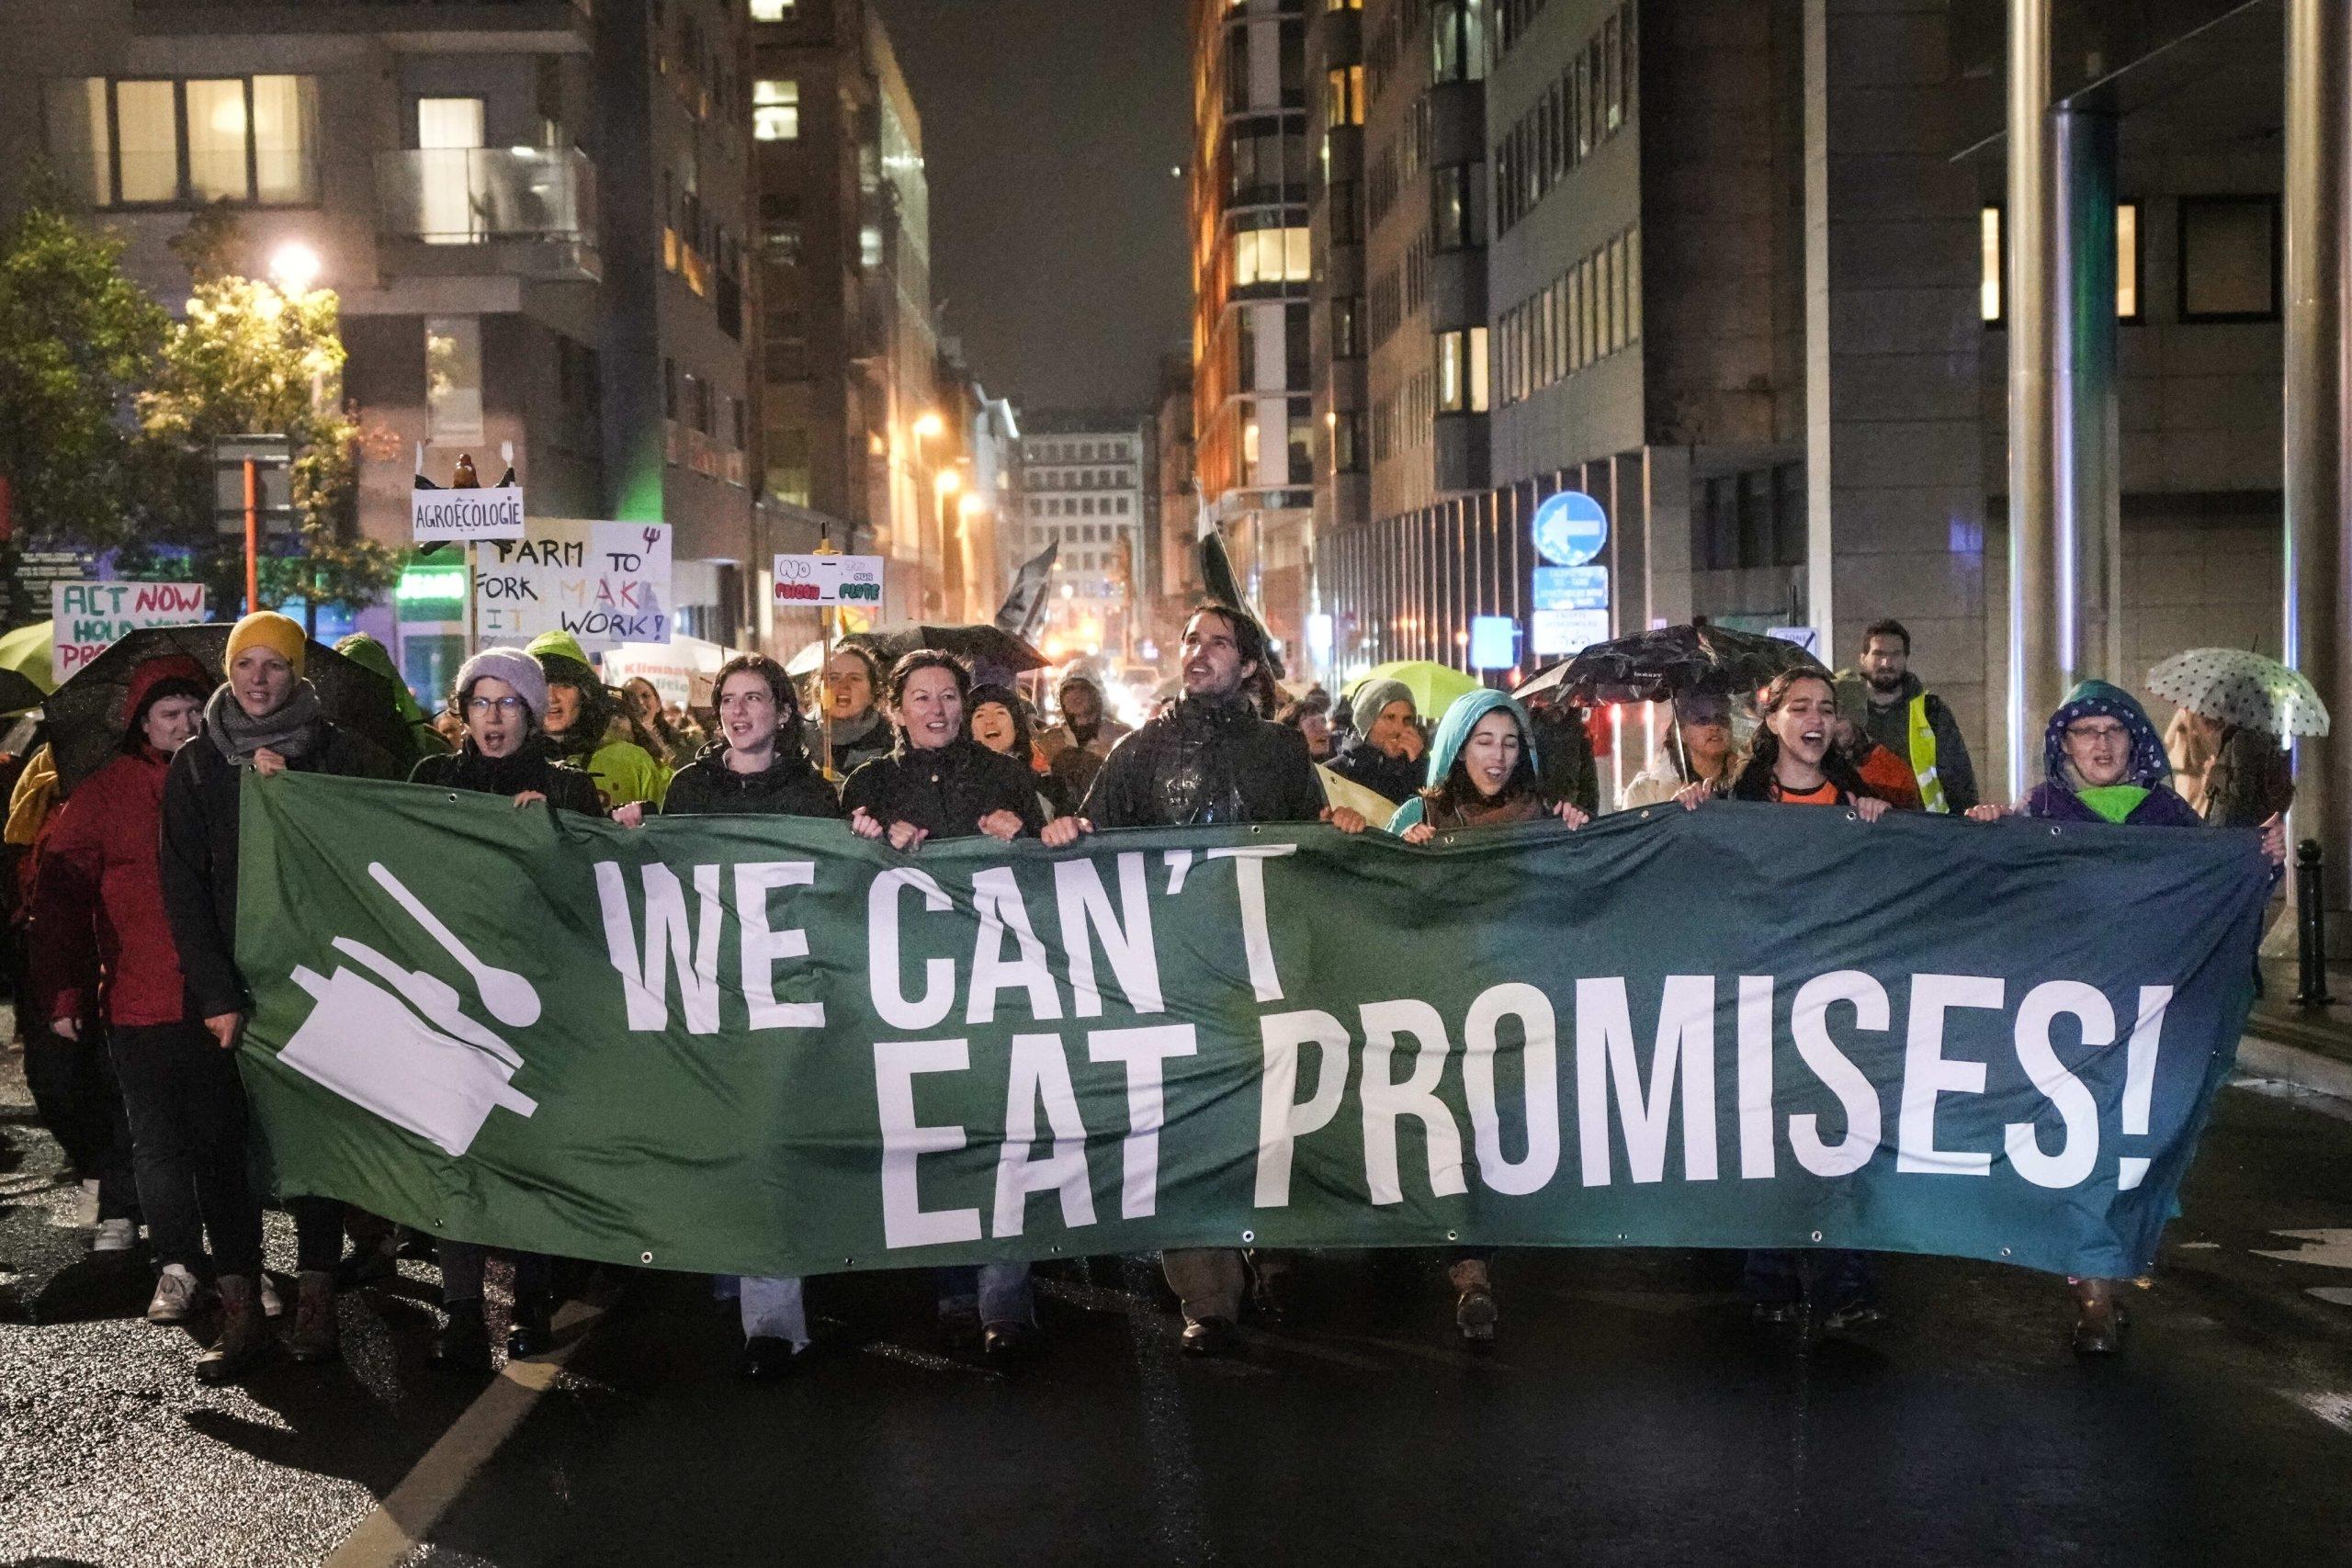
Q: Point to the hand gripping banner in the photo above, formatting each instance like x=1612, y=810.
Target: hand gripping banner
x=760, y=1045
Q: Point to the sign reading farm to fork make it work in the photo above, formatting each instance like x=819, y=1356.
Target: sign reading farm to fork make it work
x=606, y=583
x=86, y=617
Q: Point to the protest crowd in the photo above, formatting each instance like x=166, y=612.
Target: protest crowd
x=125, y=892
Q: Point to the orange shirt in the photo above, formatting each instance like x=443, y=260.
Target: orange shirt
x=1826, y=795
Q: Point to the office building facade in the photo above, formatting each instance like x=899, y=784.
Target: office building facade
x=532, y=215
x=1743, y=266
x=1082, y=487
x=1251, y=179
x=850, y=425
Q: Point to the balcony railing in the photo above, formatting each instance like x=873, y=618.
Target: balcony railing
x=473, y=196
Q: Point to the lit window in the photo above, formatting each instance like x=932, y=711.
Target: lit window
x=80, y=135
x=1992, y=253
x=1453, y=373
x=771, y=10
x=1989, y=242
x=148, y=136
x=284, y=108
x=2127, y=262
x=217, y=139
x=775, y=111
x=453, y=377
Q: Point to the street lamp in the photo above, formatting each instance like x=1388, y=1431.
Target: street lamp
x=294, y=267
x=929, y=426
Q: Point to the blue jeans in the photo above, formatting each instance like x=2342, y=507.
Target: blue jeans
x=773, y=1308
x=1841, y=1278
x=999, y=1292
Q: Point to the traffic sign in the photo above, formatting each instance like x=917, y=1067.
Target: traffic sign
x=1570, y=529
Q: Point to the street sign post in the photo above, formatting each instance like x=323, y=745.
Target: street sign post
x=252, y=493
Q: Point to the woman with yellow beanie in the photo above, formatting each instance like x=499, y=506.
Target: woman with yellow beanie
x=265, y=719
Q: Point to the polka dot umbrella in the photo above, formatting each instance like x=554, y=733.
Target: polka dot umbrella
x=2241, y=688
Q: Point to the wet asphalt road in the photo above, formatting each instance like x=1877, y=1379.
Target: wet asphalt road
x=1630, y=1415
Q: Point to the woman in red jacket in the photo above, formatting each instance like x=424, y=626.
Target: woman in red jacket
x=99, y=895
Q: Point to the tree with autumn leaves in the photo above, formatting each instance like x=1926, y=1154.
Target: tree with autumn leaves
x=109, y=408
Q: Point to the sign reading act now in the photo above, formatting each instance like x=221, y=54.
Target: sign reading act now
x=86, y=617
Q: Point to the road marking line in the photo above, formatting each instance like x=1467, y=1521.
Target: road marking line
x=401, y=1521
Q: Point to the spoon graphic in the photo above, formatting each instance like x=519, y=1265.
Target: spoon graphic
x=509, y=997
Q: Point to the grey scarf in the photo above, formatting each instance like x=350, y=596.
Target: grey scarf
x=293, y=731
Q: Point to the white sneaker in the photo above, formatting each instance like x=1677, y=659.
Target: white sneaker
x=175, y=1297
x=86, y=1205
x=114, y=1235
x=270, y=1306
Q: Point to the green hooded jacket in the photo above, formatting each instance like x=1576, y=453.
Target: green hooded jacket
x=373, y=657
x=1453, y=734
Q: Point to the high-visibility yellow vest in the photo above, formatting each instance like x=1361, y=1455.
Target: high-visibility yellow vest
x=1923, y=756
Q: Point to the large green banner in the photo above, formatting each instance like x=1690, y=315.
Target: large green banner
x=741, y=1045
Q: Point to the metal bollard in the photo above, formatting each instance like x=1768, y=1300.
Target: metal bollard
x=2311, y=925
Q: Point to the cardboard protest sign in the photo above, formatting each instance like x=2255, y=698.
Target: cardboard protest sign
x=440, y=517
x=86, y=617
x=606, y=583
x=802, y=580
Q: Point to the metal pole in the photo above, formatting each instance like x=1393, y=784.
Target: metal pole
x=2317, y=641
x=253, y=537
x=2036, y=607
x=2089, y=487
x=2311, y=925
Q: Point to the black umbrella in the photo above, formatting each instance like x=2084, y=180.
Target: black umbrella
x=86, y=716
x=1657, y=666
x=991, y=651
x=18, y=692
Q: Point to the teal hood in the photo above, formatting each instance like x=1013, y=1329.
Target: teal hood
x=1453, y=733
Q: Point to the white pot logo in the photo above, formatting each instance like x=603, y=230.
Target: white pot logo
x=440, y=1074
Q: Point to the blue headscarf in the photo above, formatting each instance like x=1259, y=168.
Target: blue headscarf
x=2149, y=767
x=1453, y=733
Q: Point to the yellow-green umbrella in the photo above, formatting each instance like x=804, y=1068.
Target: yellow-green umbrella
x=27, y=651
x=1435, y=687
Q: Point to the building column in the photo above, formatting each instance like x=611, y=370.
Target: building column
x=2039, y=611
x=2319, y=161
x=2086, y=449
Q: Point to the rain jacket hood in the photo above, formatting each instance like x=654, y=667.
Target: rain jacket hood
x=370, y=655
x=2150, y=768
x=153, y=672
x=1453, y=734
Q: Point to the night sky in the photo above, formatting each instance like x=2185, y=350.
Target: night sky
x=1050, y=128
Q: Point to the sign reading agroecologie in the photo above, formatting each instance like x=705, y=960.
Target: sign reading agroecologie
x=745, y=1046
x=439, y=516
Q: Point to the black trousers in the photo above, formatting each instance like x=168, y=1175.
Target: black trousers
x=73, y=1089
x=187, y=1106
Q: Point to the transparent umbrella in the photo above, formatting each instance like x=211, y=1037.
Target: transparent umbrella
x=2241, y=688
